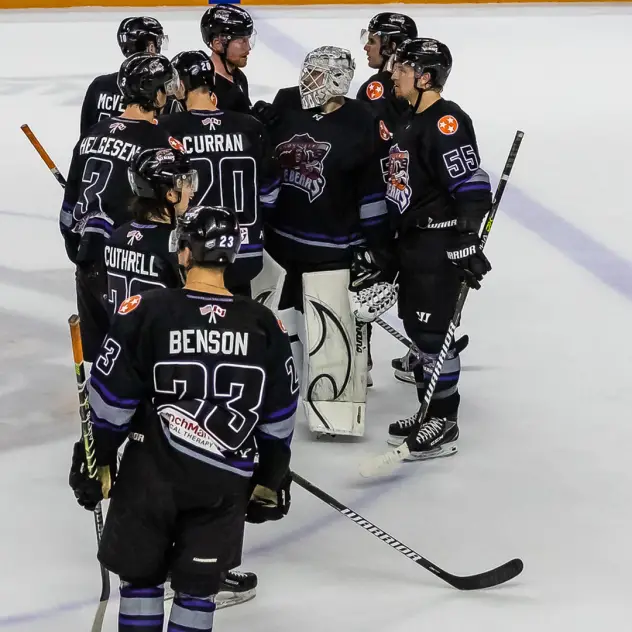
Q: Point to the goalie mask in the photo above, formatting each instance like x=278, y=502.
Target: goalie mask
x=326, y=73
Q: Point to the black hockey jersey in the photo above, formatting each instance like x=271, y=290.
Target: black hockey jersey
x=102, y=100
x=378, y=92
x=288, y=99
x=332, y=184
x=97, y=193
x=236, y=168
x=217, y=376
x=232, y=95
x=434, y=174
x=138, y=258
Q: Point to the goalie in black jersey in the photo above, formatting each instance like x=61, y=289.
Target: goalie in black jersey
x=234, y=160
x=380, y=39
x=331, y=152
x=97, y=194
x=214, y=378
x=440, y=195
x=103, y=97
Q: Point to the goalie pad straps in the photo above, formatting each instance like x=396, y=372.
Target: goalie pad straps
x=335, y=374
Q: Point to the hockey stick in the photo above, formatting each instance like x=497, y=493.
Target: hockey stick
x=88, y=439
x=391, y=330
x=460, y=344
x=384, y=463
x=43, y=154
x=488, y=579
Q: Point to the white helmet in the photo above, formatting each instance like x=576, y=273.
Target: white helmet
x=327, y=72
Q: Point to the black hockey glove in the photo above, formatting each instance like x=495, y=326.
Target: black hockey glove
x=89, y=492
x=267, y=504
x=266, y=113
x=467, y=256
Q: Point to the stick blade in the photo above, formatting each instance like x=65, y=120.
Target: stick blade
x=384, y=464
x=497, y=576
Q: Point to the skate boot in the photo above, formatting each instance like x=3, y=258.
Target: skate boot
x=436, y=437
x=403, y=367
x=236, y=587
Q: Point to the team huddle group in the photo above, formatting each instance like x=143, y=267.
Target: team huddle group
x=184, y=203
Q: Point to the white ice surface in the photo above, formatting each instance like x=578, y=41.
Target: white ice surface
x=542, y=472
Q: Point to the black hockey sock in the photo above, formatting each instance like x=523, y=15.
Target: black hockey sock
x=191, y=613
x=141, y=609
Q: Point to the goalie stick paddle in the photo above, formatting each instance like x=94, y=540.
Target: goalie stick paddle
x=88, y=439
x=43, y=154
x=386, y=462
x=488, y=579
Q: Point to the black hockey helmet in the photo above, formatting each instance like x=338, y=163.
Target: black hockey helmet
x=211, y=232
x=142, y=75
x=135, y=34
x=152, y=172
x=426, y=55
x=227, y=21
x=195, y=69
x=391, y=28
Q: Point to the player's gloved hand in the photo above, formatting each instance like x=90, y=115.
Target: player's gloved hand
x=467, y=256
x=267, y=504
x=89, y=492
x=267, y=113
x=371, y=290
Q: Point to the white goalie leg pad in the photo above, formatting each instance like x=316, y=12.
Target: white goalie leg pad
x=336, y=349
x=268, y=284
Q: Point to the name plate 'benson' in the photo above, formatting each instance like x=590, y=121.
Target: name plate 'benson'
x=208, y=341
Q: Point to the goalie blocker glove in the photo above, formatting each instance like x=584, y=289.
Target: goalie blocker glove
x=371, y=292
x=468, y=257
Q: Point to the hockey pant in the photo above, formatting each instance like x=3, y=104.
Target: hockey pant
x=428, y=290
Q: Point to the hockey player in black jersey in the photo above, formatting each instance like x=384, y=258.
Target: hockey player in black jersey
x=215, y=377
x=232, y=155
x=139, y=256
x=229, y=32
x=331, y=202
x=103, y=97
x=98, y=192
x=441, y=195
x=380, y=40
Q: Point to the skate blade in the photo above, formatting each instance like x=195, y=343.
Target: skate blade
x=224, y=599
x=403, y=376
x=447, y=449
x=228, y=599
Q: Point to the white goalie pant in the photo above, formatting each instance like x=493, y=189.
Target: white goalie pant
x=267, y=286
x=335, y=356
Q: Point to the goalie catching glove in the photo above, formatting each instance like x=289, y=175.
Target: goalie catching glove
x=371, y=292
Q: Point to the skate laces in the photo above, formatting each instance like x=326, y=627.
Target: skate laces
x=408, y=422
x=238, y=574
x=430, y=429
